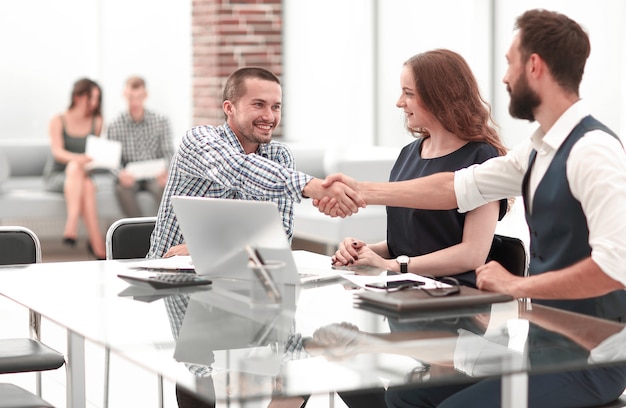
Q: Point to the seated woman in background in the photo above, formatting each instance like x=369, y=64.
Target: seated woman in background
x=454, y=129
x=67, y=173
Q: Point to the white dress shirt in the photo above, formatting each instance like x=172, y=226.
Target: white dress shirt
x=596, y=172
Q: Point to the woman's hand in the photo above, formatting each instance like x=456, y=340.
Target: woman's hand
x=81, y=159
x=347, y=252
x=353, y=252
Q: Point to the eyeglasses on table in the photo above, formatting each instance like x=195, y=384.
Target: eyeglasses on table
x=444, y=286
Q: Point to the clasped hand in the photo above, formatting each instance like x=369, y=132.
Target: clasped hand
x=337, y=196
x=354, y=252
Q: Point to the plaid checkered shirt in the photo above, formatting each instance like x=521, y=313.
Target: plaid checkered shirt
x=146, y=140
x=210, y=162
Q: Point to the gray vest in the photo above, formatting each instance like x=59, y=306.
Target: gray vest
x=559, y=235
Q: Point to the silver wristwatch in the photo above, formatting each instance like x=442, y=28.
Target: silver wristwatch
x=403, y=261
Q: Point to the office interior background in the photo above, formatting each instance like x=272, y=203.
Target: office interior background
x=340, y=60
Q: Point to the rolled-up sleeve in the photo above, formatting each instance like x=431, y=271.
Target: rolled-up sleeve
x=596, y=171
x=467, y=194
x=493, y=180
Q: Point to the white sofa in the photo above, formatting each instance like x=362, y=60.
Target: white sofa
x=365, y=163
x=24, y=201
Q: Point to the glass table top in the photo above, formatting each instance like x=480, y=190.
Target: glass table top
x=224, y=342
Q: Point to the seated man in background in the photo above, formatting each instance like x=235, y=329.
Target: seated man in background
x=145, y=136
x=239, y=160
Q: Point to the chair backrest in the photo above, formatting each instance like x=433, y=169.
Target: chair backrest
x=129, y=238
x=19, y=245
x=510, y=253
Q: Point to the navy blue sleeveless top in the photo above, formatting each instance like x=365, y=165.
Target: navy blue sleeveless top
x=415, y=232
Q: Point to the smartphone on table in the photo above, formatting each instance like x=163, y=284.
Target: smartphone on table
x=394, y=284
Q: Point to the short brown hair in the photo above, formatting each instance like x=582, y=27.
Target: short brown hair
x=559, y=41
x=135, y=82
x=235, y=84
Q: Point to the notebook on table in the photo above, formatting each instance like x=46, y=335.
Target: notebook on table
x=415, y=300
x=217, y=231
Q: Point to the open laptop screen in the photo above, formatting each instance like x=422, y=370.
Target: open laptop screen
x=217, y=231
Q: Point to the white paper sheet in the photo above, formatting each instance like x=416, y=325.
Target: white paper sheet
x=105, y=154
x=146, y=169
x=362, y=280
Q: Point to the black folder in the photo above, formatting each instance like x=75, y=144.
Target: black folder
x=414, y=299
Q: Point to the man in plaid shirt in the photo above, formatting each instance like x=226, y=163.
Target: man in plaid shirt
x=145, y=136
x=239, y=160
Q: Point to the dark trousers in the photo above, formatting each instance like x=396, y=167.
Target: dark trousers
x=364, y=399
x=575, y=389
x=187, y=399
x=127, y=196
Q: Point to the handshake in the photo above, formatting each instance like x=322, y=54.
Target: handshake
x=337, y=196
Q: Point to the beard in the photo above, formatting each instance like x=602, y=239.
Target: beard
x=523, y=101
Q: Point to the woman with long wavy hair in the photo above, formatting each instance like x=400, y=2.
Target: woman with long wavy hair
x=453, y=128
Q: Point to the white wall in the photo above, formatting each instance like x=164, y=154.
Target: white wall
x=328, y=71
x=340, y=83
x=343, y=62
x=328, y=48
x=47, y=45
x=604, y=82
x=409, y=27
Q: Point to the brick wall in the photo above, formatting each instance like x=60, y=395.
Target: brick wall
x=229, y=34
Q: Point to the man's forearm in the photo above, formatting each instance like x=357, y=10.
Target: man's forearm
x=581, y=280
x=434, y=192
x=588, y=331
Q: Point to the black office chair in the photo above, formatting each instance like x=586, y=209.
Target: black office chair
x=19, y=245
x=618, y=403
x=128, y=238
x=510, y=253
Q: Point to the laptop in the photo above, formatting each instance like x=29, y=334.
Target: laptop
x=217, y=231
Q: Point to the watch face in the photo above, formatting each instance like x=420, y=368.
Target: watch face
x=403, y=259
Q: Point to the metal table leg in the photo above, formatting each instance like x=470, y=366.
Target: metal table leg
x=515, y=390
x=76, y=397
